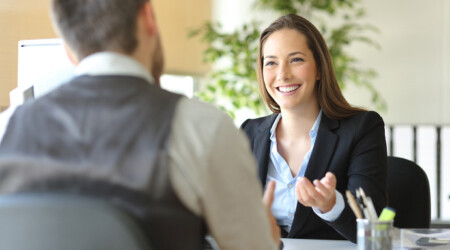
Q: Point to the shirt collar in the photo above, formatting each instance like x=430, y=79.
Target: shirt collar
x=274, y=127
x=312, y=133
x=315, y=129
x=111, y=63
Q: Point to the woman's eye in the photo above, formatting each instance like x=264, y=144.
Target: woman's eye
x=269, y=63
x=297, y=59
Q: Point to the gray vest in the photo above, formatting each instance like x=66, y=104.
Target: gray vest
x=106, y=137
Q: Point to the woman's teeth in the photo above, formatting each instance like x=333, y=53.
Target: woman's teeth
x=286, y=89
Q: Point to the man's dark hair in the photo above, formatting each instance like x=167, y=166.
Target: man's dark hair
x=90, y=26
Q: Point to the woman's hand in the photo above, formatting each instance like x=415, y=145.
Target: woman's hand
x=321, y=195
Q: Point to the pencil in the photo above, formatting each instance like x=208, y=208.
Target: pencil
x=368, y=205
x=353, y=205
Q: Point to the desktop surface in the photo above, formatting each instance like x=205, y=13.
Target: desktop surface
x=295, y=244
x=402, y=239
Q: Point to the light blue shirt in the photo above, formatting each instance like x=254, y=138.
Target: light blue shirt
x=285, y=198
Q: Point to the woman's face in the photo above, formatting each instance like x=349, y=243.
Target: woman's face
x=289, y=70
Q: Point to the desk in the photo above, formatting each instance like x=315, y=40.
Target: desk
x=296, y=244
x=401, y=239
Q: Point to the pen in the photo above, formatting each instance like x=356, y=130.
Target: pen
x=353, y=205
x=368, y=207
x=363, y=194
x=361, y=204
x=371, y=208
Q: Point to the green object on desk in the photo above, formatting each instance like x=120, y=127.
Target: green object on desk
x=387, y=214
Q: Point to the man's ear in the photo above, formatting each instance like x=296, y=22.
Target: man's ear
x=149, y=19
x=70, y=55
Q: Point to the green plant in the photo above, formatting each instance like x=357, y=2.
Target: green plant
x=232, y=83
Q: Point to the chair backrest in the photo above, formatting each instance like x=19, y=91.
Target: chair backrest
x=408, y=193
x=69, y=222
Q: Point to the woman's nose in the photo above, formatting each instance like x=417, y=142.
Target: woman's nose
x=283, y=73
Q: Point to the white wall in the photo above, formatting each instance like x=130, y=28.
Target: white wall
x=414, y=63
x=234, y=13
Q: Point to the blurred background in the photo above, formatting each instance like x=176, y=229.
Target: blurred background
x=390, y=56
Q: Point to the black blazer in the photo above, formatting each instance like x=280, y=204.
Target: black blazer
x=354, y=149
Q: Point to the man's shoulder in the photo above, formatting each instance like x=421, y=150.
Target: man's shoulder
x=202, y=123
x=199, y=132
x=198, y=111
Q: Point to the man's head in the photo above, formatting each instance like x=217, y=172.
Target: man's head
x=124, y=26
x=89, y=26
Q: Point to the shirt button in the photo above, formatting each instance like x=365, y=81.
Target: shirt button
x=291, y=215
x=290, y=185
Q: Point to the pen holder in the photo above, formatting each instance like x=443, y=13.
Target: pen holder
x=374, y=235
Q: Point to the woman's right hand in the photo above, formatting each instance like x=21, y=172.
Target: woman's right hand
x=320, y=193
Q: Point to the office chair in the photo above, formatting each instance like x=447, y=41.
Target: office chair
x=408, y=193
x=66, y=222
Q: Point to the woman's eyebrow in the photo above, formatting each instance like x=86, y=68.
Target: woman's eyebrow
x=270, y=57
x=295, y=53
x=289, y=55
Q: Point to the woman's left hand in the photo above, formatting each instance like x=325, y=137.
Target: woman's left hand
x=320, y=194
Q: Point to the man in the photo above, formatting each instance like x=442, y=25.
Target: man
x=175, y=164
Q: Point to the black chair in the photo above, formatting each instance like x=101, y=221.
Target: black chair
x=69, y=222
x=408, y=193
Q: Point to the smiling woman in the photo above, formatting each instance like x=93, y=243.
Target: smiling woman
x=289, y=70
x=315, y=145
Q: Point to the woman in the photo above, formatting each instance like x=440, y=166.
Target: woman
x=314, y=145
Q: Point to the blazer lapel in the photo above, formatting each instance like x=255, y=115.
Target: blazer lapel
x=261, y=147
x=317, y=167
x=323, y=149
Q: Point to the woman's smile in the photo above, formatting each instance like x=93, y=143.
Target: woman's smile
x=288, y=89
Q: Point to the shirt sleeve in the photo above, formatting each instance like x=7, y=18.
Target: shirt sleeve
x=214, y=174
x=334, y=213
